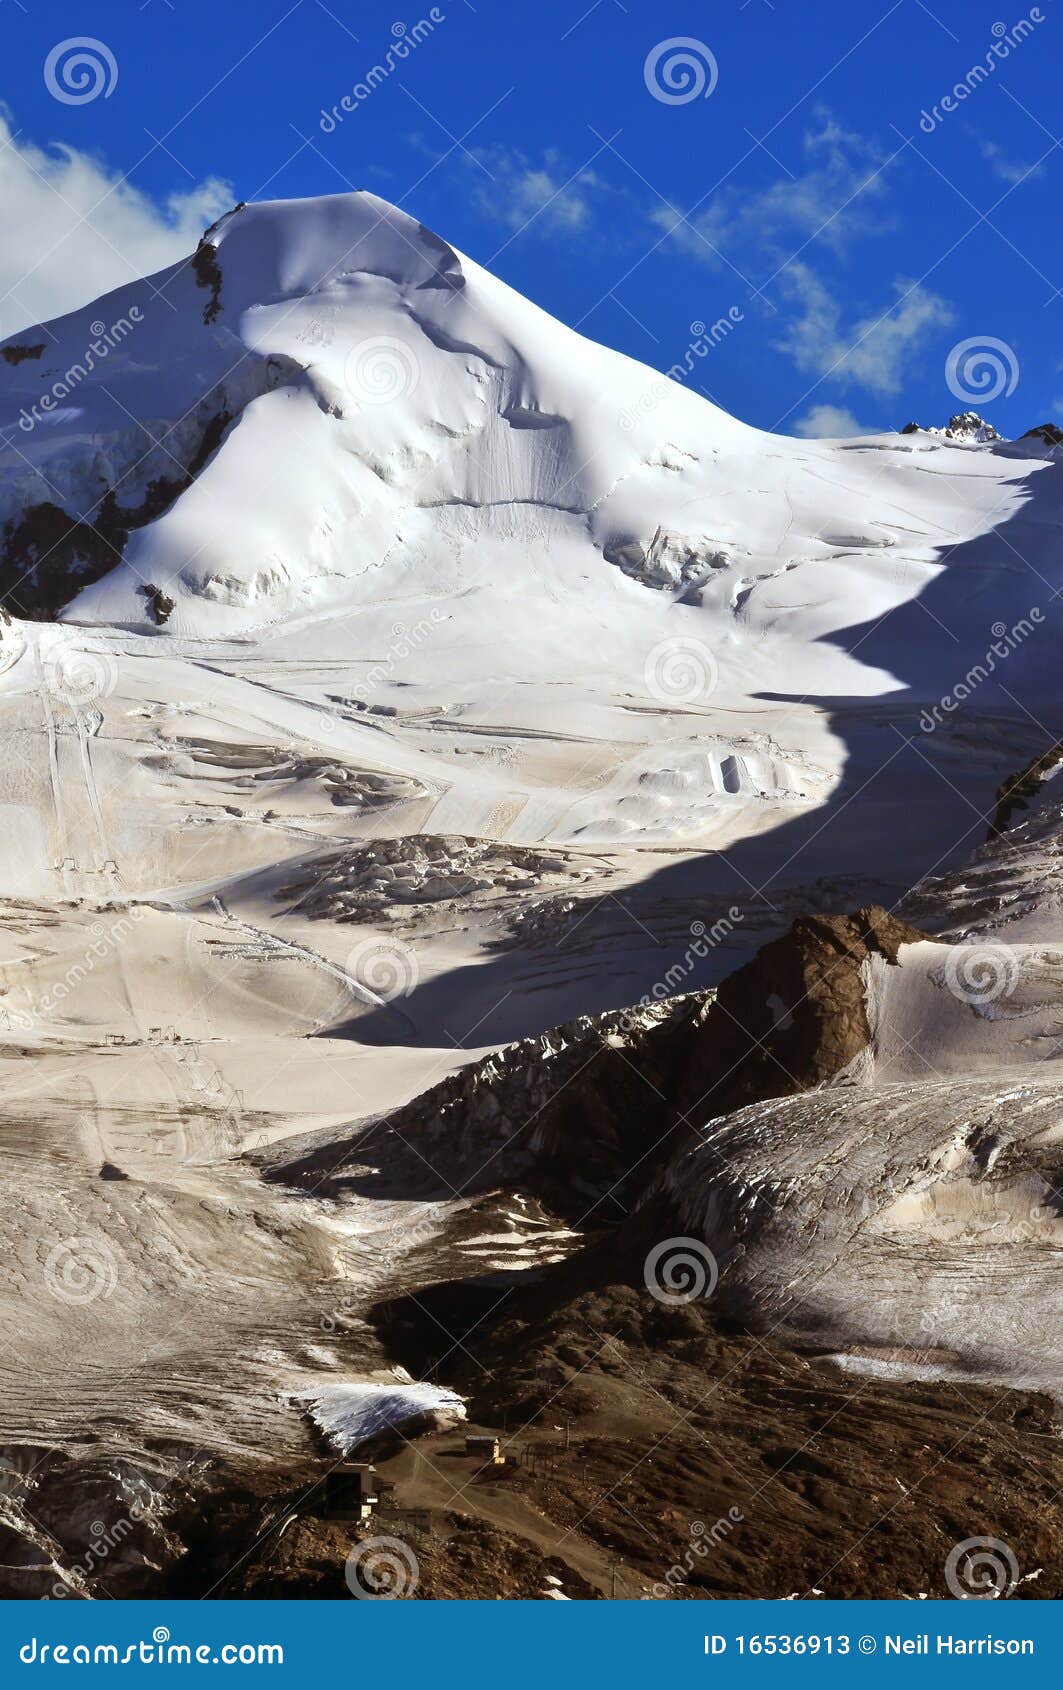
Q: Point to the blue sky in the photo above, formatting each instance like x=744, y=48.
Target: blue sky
x=857, y=240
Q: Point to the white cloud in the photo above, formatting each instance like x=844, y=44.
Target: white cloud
x=1009, y=170
x=770, y=236
x=874, y=350
x=73, y=229
x=829, y=199
x=542, y=193
x=831, y=422
x=531, y=192
x=523, y=191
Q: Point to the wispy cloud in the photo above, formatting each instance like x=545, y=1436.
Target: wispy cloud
x=830, y=199
x=794, y=238
x=73, y=229
x=872, y=350
x=1009, y=170
x=544, y=192
x=831, y=422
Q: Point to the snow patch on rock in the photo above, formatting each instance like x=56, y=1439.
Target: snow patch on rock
x=349, y=1415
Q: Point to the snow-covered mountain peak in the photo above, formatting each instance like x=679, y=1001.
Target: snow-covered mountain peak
x=328, y=408
x=968, y=425
x=286, y=249
x=250, y=431
x=965, y=425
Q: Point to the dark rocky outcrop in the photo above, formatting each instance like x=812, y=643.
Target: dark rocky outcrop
x=585, y=1117
x=18, y=354
x=206, y=268
x=789, y=1020
x=207, y=272
x=160, y=605
x=654, y=1415
x=965, y=425
x=47, y=556
x=566, y=1117
x=1015, y=794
